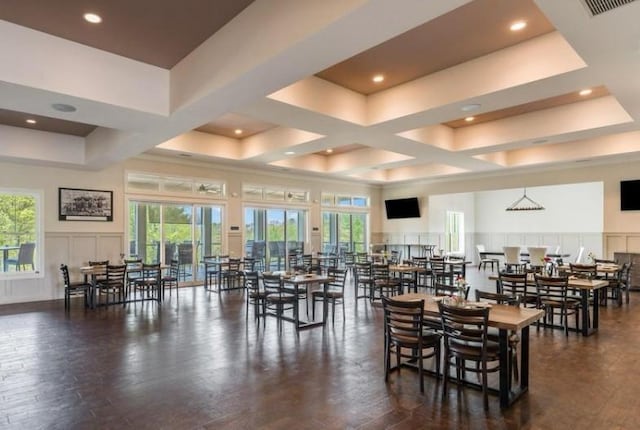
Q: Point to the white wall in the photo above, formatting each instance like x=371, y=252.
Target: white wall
x=77, y=242
x=569, y=208
x=621, y=230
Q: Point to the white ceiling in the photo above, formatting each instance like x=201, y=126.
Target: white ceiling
x=261, y=66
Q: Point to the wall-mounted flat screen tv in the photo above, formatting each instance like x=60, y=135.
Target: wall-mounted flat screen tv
x=630, y=195
x=402, y=208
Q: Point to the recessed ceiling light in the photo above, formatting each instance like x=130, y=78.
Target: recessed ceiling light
x=586, y=92
x=238, y=131
x=31, y=121
x=470, y=107
x=518, y=25
x=93, y=18
x=470, y=118
x=289, y=153
x=377, y=79
x=62, y=107
x=329, y=151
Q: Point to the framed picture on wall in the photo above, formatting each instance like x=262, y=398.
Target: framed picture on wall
x=75, y=204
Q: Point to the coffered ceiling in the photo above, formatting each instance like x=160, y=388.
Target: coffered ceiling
x=289, y=85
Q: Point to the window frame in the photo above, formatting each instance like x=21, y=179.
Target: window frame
x=39, y=261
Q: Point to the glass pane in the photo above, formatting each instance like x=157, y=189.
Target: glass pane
x=327, y=199
x=177, y=186
x=178, y=234
x=141, y=182
x=273, y=194
x=298, y=196
x=343, y=200
x=344, y=233
x=144, y=231
x=275, y=238
x=360, y=202
x=252, y=193
x=18, y=232
x=328, y=228
x=359, y=232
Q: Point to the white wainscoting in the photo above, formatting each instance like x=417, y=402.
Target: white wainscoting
x=73, y=249
x=621, y=242
x=569, y=242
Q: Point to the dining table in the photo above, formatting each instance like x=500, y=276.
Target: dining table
x=308, y=280
x=410, y=269
x=588, y=288
x=5, y=254
x=507, y=319
x=91, y=273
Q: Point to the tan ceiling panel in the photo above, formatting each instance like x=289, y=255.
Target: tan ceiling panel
x=341, y=149
x=43, y=123
x=158, y=32
x=478, y=28
x=537, y=105
x=227, y=125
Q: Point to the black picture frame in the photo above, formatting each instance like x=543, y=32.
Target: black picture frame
x=77, y=204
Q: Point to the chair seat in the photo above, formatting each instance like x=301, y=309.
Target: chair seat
x=281, y=298
x=429, y=338
x=258, y=294
x=330, y=294
x=472, y=351
x=169, y=279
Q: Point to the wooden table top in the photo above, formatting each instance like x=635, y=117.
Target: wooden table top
x=579, y=283
x=500, y=316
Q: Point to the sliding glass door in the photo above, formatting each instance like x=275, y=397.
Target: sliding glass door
x=342, y=232
x=161, y=232
x=271, y=233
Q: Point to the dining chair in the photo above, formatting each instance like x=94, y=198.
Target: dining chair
x=25, y=257
x=172, y=278
x=383, y=282
x=334, y=293
x=230, y=274
x=113, y=284
x=466, y=339
x=493, y=334
x=279, y=299
x=512, y=259
x=483, y=260
x=133, y=273
x=150, y=281
x=255, y=295
x=553, y=299
x=537, y=256
x=363, y=281
x=406, y=336
x=442, y=289
x=75, y=288
x=516, y=285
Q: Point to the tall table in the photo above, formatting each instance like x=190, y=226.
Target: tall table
x=5, y=254
x=585, y=286
x=505, y=318
x=307, y=281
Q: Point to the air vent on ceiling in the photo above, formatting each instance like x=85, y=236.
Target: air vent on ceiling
x=596, y=7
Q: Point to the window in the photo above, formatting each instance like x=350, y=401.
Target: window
x=20, y=233
x=342, y=232
x=274, y=194
x=454, y=232
x=182, y=231
x=155, y=184
x=344, y=200
x=271, y=234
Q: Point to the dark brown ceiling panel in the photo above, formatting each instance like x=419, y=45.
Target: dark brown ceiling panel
x=158, y=32
x=475, y=29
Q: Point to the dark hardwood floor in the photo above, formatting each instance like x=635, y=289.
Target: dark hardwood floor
x=198, y=364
